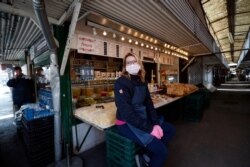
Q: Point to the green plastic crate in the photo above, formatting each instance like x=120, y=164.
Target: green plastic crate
x=194, y=105
x=120, y=150
x=207, y=97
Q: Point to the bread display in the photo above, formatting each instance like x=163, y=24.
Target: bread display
x=179, y=89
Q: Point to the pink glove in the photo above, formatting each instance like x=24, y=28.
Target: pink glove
x=159, y=130
x=156, y=132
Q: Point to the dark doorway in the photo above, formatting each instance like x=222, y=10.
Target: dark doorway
x=149, y=67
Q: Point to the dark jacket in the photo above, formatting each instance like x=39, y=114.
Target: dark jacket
x=123, y=95
x=23, y=90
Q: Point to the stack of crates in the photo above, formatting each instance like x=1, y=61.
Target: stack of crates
x=38, y=137
x=120, y=150
x=45, y=98
x=193, y=108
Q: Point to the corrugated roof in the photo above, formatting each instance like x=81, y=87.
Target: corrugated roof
x=17, y=34
x=150, y=17
x=155, y=19
x=179, y=22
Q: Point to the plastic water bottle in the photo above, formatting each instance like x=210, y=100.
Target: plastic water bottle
x=87, y=70
x=91, y=72
x=82, y=73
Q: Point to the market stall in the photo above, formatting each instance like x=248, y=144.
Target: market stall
x=96, y=62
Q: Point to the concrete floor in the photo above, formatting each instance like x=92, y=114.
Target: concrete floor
x=5, y=101
x=220, y=139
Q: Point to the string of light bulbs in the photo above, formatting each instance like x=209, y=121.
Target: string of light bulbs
x=152, y=44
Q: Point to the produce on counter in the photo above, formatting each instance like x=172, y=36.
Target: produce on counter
x=85, y=101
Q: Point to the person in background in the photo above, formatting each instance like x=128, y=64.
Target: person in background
x=22, y=88
x=136, y=116
x=41, y=80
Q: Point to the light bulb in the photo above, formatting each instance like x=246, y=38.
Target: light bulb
x=142, y=44
x=136, y=42
x=130, y=40
x=136, y=34
x=104, y=33
x=122, y=38
x=129, y=31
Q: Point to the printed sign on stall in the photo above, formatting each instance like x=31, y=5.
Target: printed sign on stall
x=90, y=45
x=85, y=44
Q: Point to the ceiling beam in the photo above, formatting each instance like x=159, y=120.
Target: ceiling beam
x=219, y=19
x=77, y=8
x=231, y=22
x=243, y=24
x=67, y=13
x=234, y=50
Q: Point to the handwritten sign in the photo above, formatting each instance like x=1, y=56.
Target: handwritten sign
x=86, y=44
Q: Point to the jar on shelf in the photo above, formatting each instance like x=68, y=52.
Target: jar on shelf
x=98, y=89
x=89, y=91
x=83, y=91
x=76, y=92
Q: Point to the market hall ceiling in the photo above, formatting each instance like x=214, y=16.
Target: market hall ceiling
x=228, y=22
x=180, y=22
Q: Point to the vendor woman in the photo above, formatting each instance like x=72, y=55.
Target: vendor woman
x=136, y=116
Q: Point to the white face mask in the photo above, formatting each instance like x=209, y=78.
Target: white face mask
x=133, y=69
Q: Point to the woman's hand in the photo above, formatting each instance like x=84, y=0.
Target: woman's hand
x=157, y=132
